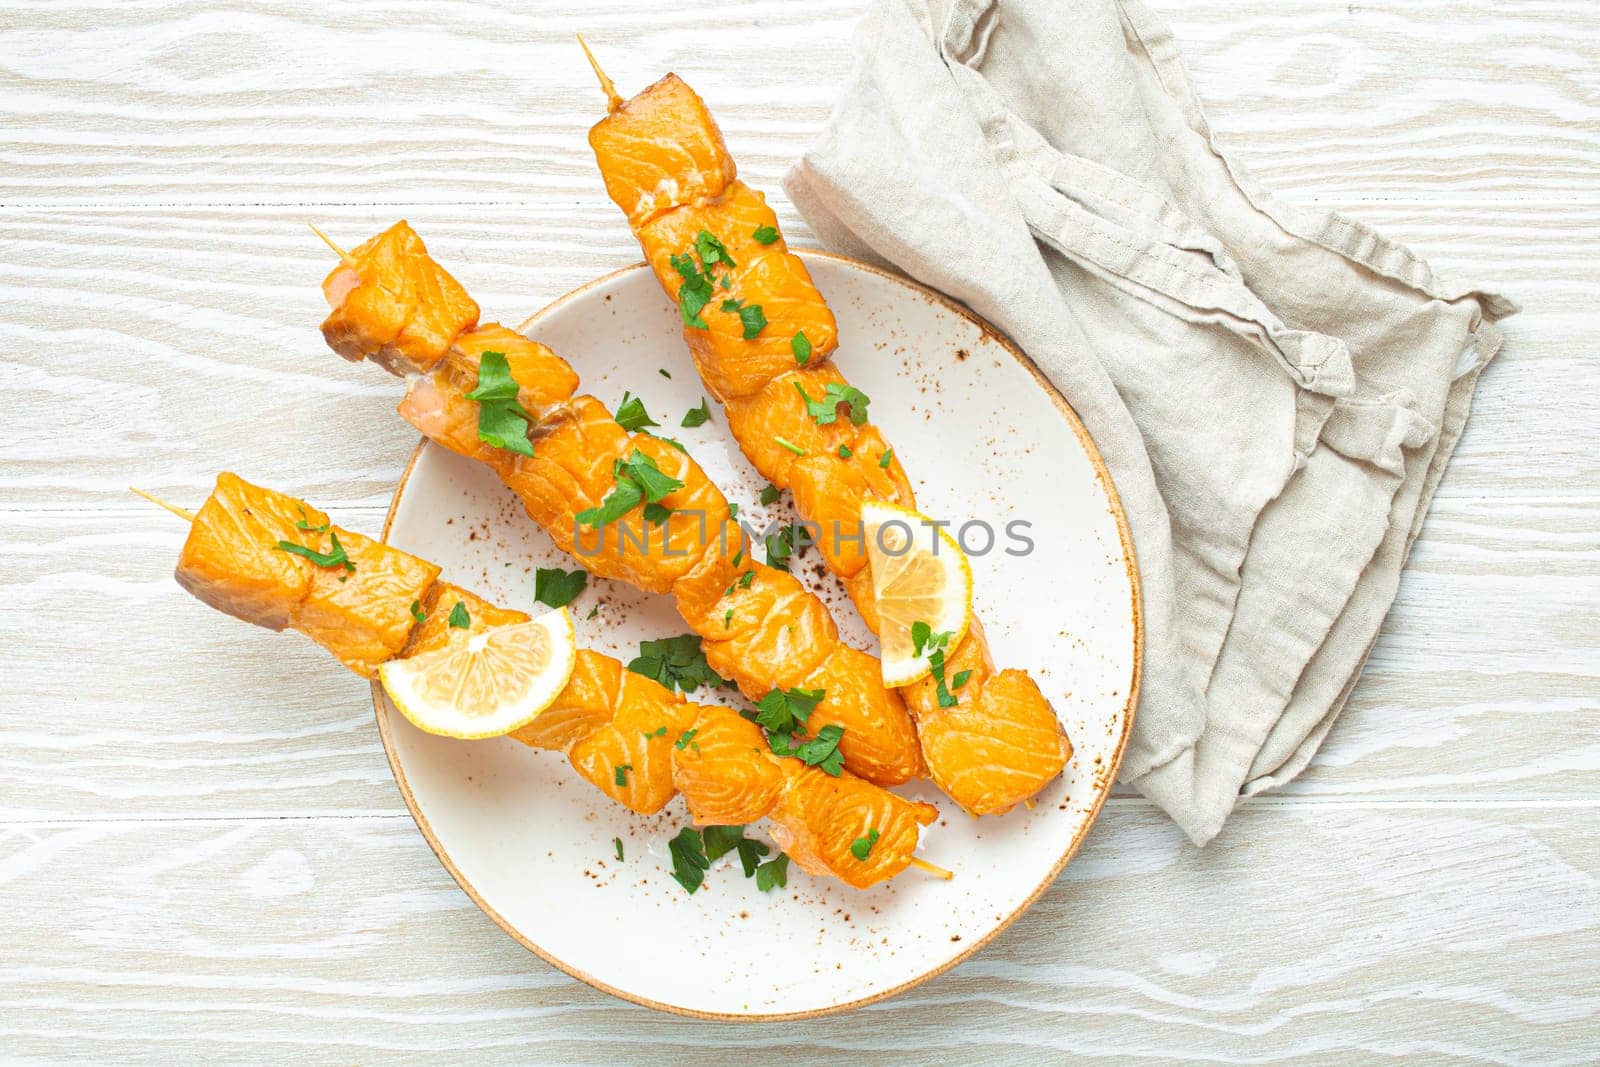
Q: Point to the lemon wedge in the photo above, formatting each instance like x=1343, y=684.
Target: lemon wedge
x=488, y=683
x=920, y=578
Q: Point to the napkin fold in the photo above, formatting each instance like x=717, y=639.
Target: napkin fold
x=1275, y=389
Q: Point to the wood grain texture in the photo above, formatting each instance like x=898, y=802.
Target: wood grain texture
x=202, y=854
x=1462, y=934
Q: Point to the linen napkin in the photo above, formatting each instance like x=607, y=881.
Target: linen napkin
x=1275, y=389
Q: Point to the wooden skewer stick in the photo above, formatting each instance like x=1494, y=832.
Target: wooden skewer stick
x=613, y=98
x=344, y=257
x=937, y=872
x=182, y=513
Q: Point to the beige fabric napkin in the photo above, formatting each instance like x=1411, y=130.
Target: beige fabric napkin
x=1275, y=389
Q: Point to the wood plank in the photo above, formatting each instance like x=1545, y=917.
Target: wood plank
x=281, y=102
x=1353, y=931
x=177, y=710
x=136, y=313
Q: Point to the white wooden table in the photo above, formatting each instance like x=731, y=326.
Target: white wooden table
x=202, y=854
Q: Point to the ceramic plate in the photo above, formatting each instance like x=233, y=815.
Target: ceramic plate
x=984, y=437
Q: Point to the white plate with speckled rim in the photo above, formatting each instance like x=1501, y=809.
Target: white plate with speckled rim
x=983, y=436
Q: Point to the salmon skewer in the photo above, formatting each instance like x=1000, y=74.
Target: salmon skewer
x=566, y=457
x=764, y=354
x=364, y=610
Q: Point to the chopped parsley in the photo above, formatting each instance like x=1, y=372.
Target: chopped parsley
x=689, y=863
x=885, y=459
x=556, y=588
x=638, y=479
x=417, y=612
x=821, y=751
x=766, y=235
x=617, y=841
x=924, y=642
x=844, y=452
x=686, y=739
x=335, y=558
x=800, y=345
x=731, y=305
x=733, y=513
x=711, y=251
x=826, y=410
x=305, y=521
x=960, y=679
x=784, y=442
x=696, y=416
x=694, y=294
x=663, y=372
x=770, y=494
x=754, y=321
x=773, y=874
x=659, y=731
x=631, y=414
x=861, y=847
x=501, y=420
x=727, y=618
x=720, y=840
x=676, y=662
x=656, y=513
x=784, y=712
x=459, y=619
x=620, y=773
x=783, y=543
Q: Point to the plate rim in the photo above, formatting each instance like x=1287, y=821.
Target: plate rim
x=1130, y=705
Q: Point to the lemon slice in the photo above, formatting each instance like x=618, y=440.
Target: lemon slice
x=487, y=683
x=919, y=576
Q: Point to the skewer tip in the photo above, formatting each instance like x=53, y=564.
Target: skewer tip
x=344, y=257
x=182, y=513
x=613, y=98
x=937, y=872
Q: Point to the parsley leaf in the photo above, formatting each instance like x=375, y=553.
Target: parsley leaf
x=656, y=513
x=925, y=642
x=754, y=320
x=883, y=460
x=731, y=305
x=696, y=416
x=556, y=588
x=459, y=619
x=765, y=235
x=676, y=662
x=685, y=739
x=773, y=873
x=335, y=558
x=785, y=542
x=659, y=731
x=689, y=862
x=501, y=420
x=960, y=679
x=694, y=294
x=618, y=842
x=631, y=414
x=417, y=612
x=770, y=494
x=826, y=410
x=620, y=773
x=785, y=443
x=861, y=847
x=733, y=513
x=305, y=522
x=712, y=251
x=844, y=452
x=638, y=479
x=800, y=345
x=822, y=751
x=784, y=712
